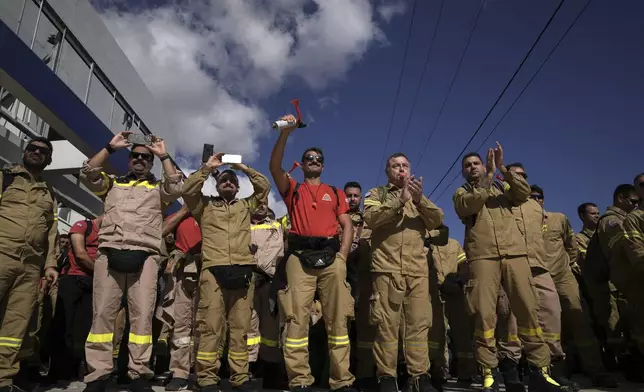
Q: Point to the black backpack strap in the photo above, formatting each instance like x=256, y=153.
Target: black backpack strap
x=295, y=194
x=88, y=229
x=7, y=180
x=337, y=199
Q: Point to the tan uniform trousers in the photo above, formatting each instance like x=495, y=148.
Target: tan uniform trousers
x=18, y=297
x=451, y=310
x=109, y=286
x=296, y=302
x=253, y=337
x=185, y=291
x=39, y=321
x=549, y=316
x=269, y=326
x=576, y=322
x=119, y=329
x=365, y=364
x=482, y=290
x=401, y=304
x=630, y=285
x=605, y=308
x=218, y=307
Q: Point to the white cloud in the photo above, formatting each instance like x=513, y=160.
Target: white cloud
x=328, y=101
x=387, y=10
x=208, y=62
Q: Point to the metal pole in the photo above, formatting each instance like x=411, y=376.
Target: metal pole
x=112, y=111
x=89, y=82
x=22, y=12
x=33, y=37
x=59, y=52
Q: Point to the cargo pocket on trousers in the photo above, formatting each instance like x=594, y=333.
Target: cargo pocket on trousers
x=375, y=310
x=350, y=302
x=471, y=296
x=285, y=303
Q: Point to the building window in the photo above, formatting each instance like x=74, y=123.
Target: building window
x=10, y=12
x=48, y=41
x=73, y=70
x=28, y=22
x=100, y=100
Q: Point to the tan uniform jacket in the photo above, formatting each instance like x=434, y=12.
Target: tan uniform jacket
x=632, y=243
x=583, y=239
x=609, y=231
x=561, y=246
x=399, y=231
x=28, y=218
x=531, y=219
x=133, y=208
x=361, y=237
x=268, y=236
x=447, y=259
x=491, y=230
x=225, y=227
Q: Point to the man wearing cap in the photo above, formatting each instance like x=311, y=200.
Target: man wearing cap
x=226, y=281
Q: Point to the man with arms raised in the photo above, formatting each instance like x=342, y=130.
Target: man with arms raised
x=316, y=262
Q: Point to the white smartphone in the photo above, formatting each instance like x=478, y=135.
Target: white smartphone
x=231, y=158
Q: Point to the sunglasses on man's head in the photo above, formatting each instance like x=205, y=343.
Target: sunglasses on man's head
x=311, y=157
x=40, y=149
x=142, y=155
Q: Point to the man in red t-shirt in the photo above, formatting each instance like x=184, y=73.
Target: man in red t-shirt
x=316, y=261
x=183, y=265
x=75, y=297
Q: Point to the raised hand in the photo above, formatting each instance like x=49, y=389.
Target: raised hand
x=291, y=119
x=214, y=162
x=490, y=163
x=416, y=189
x=158, y=147
x=498, y=156
x=406, y=194
x=119, y=140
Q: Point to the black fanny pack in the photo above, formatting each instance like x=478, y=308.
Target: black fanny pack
x=314, y=252
x=232, y=277
x=126, y=261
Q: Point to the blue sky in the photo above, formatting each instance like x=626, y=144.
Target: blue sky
x=577, y=129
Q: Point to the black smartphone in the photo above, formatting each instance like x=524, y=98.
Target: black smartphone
x=208, y=151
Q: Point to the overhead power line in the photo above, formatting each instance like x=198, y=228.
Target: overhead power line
x=451, y=84
x=422, y=76
x=498, y=99
x=524, y=89
x=400, y=78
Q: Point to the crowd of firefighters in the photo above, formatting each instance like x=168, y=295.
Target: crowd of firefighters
x=328, y=295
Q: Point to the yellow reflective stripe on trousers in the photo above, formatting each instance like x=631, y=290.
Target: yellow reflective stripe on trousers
x=530, y=331
x=115, y=353
x=489, y=334
x=434, y=345
x=339, y=340
x=6, y=341
x=237, y=355
x=100, y=337
x=295, y=343
x=139, y=339
x=253, y=341
x=268, y=226
x=207, y=356
x=365, y=345
x=415, y=344
x=551, y=336
x=269, y=342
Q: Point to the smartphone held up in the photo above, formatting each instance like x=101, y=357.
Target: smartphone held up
x=141, y=139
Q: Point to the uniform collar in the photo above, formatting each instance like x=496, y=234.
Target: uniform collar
x=130, y=176
x=588, y=232
x=616, y=210
x=22, y=171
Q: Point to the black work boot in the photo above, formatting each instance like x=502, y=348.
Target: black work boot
x=97, y=386
x=603, y=379
x=423, y=383
x=387, y=384
x=540, y=380
x=366, y=384
x=140, y=385
x=559, y=374
x=509, y=370
x=490, y=380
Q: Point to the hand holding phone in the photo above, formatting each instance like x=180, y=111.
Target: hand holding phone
x=208, y=151
x=137, y=138
x=231, y=158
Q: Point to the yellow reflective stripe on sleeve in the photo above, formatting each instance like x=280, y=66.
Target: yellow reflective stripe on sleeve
x=100, y=337
x=582, y=251
x=544, y=228
x=634, y=235
x=107, y=180
x=616, y=238
x=139, y=339
x=6, y=341
x=461, y=258
x=269, y=342
x=506, y=186
x=339, y=340
x=268, y=226
x=237, y=355
x=294, y=343
x=253, y=341
x=373, y=203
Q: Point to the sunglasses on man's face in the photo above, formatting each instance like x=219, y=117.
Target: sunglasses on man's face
x=634, y=201
x=40, y=149
x=311, y=157
x=142, y=155
x=536, y=197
